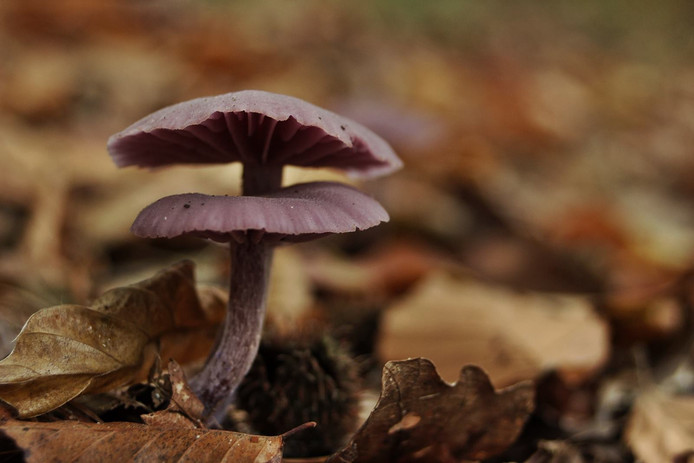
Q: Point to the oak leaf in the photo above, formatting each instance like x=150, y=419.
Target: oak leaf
x=419, y=417
x=68, y=350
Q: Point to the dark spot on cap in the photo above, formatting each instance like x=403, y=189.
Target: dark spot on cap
x=342, y=127
x=187, y=206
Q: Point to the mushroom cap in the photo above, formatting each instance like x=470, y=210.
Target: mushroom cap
x=296, y=213
x=252, y=126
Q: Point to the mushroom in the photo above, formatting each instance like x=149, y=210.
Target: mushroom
x=254, y=224
x=264, y=131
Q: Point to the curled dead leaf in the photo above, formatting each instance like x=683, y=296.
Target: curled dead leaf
x=68, y=350
x=419, y=417
x=184, y=409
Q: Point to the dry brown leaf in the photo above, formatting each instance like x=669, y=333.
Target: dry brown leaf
x=661, y=427
x=184, y=410
x=419, y=417
x=289, y=295
x=392, y=268
x=556, y=452
x=68, y=441
x=68, y=350
x=512, y=336
x=194, y=344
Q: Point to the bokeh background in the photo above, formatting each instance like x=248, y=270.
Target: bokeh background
x=548, y=147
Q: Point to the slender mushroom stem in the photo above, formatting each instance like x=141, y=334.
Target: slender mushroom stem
x=261, y=178
x=238, y=344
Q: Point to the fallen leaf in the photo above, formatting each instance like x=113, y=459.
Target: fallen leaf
x=47, y=78
x=16, y=306
x=513, y=336
x=184, y=409
x=68, y=441
x=427, y=208
x=556, y=452
x=289, y=291
x=68, y=350
x=192, y=344
x=391, y=269
x=182, y=397
x=661, y=427
x=419, y=417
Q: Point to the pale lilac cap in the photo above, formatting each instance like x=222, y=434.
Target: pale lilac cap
x=295, y=213
x=252, y=126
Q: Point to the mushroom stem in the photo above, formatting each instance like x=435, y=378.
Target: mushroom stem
x=238, y=344
x=259, y=179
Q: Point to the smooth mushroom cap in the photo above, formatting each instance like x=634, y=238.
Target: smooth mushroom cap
x=252, y=126
x=297, y=213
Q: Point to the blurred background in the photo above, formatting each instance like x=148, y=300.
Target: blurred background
x=548, y=148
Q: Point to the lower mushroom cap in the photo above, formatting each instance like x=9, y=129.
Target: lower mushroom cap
x=296, y=213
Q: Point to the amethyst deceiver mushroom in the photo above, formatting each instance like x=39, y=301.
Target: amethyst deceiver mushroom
x=254, y=225
x=264, y=131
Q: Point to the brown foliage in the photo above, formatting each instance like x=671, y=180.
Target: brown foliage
x=67, y=441
x=661, y=427
x=68, y=350
x=514, y=336
x=421, y=418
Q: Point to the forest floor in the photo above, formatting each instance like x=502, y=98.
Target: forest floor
x=542, y=228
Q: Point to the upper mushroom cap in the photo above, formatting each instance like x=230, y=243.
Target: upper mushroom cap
x=252, y=126
x=295, y=213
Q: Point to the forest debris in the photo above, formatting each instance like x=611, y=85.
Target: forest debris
x=289, y=295
x=661, y=427
x=393, y=268
x=302, y=377
x=426, y=207
x=40, y=83
x=188, y=345
x=571, y=141
x=184, y=409
x=556, y=452
x=16, y=306
x=421, y=418
x=67, y=350
x=513, y=336
x=67, y=441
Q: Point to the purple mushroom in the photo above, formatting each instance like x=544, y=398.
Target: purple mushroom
x=254, y=225
x=264, y=131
